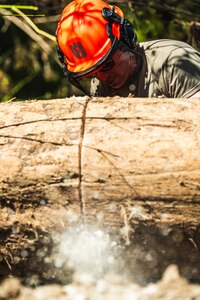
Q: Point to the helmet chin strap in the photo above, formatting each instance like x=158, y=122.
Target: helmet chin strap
x=77, y=84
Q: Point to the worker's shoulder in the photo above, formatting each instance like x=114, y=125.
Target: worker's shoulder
x=166, y=52
x=167, y=46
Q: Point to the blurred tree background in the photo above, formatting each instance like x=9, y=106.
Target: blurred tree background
x=29, y=67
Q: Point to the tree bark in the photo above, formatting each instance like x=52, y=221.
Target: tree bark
x=104, y=159
x=129, y=166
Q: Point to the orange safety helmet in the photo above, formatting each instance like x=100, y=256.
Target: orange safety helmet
x=82, y=35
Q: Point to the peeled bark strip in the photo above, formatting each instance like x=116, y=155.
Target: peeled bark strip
x=105, y=158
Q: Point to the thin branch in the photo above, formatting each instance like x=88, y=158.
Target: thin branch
x=28, y=30
x=49, y=19
x=28, y=20
x=28, y=7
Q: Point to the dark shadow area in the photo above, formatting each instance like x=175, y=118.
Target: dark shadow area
x=151, y=250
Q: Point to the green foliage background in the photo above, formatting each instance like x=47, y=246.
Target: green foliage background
x=30, y=70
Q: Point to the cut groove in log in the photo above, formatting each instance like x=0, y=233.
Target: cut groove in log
x=82, y=132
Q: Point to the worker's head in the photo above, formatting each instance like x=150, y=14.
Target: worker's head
x=89, y=34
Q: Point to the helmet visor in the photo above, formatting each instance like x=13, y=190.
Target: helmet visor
x=103, y=64
x=114, y=71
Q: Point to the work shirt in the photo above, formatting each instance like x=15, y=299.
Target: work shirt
x=169, y=69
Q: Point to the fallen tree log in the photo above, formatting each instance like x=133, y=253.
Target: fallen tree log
x=110, y=161
x=97, y=156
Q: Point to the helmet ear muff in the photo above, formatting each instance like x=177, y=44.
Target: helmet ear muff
x=127, y=33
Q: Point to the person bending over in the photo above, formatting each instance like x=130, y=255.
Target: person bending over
x=96, y=41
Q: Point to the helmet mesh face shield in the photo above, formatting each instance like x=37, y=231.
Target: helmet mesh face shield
x=85, y=38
